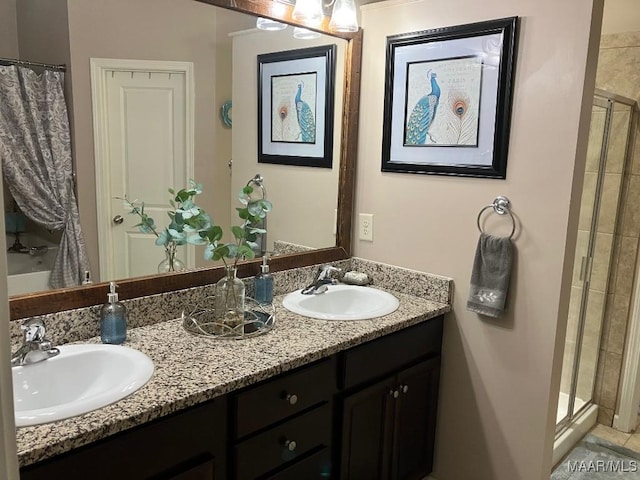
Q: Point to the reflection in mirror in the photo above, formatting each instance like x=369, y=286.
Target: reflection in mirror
x=222, y=46
x=71, y=32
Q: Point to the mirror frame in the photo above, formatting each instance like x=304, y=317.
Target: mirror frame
x=42, y=303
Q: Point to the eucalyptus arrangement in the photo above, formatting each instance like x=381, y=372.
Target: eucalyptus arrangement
x=251, y=213
x=230, y=291
x=191, y=224
x=187, y=222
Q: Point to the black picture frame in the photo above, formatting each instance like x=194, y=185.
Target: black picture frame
x=296, y=106
x=464, y=74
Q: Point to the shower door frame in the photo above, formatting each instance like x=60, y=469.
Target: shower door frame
x=627, y=418
x=602, y=99
x=585, y=269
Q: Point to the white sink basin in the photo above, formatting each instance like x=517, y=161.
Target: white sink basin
x=80, y=379
x=342, y=302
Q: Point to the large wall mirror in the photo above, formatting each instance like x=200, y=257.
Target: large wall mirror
x=220, y=40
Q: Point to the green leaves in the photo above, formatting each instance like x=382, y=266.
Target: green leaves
x=246, y=251
x=190, y=224
x=244, y=235
x=187, y=220
x=238, y=232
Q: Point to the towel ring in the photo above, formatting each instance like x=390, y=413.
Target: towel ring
x=501, y=205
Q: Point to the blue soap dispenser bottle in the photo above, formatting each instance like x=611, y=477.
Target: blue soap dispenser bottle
x=113, y=318
x=263, y=283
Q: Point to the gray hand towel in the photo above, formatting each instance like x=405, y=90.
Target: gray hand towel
x=490, y=275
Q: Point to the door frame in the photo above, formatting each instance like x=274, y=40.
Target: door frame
x=99, y=69
x=8, y=448
x=626, y=419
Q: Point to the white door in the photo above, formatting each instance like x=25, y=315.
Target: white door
x=142, y=125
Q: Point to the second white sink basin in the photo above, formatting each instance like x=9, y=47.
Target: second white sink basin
x=80, y=379
x=342, y=302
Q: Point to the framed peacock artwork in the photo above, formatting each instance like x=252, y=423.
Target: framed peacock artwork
x=447, y=102
x=295, y=106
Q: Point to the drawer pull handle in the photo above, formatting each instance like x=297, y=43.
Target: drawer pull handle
x=291, y=399
x=404, y=388
x=290, y=445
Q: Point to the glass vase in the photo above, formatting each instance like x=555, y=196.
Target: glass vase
x=171, y=262
x=229, y=300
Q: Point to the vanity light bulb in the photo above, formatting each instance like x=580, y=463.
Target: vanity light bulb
x=304, y=34
x=344, y=18
x=269, y=25
x=308, y=11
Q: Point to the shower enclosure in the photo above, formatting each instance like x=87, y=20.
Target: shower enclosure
x=609, y=148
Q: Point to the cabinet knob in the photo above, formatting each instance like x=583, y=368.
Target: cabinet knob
x=290, y=445
x=404, y=388
x=394, y=393
x=291, y=398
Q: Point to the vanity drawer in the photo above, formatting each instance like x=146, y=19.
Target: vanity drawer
x=282, y=397
x=283, y=444
x=390, y=353
x=315, y=467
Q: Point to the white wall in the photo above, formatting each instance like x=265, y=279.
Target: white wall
x=500, y=378
x=297, y=216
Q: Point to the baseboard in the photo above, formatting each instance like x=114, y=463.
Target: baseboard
x=624, y=425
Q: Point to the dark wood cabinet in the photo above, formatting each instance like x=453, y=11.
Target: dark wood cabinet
x=388, y=424
x=388, y=428
x=282, y=397
x=366, y=422
x=202, y=470
x=314, y=467
x=189, y=445
x=415, y=420
x=366, y=413
x=282, y=425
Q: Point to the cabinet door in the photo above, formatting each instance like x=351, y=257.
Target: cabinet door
x=415, y=420
x=366, y=432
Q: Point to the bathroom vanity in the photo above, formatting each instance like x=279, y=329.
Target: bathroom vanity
x=311, y=399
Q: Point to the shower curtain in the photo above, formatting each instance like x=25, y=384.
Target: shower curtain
x=35, y=150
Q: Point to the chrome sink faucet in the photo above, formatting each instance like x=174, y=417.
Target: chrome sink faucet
x=323, y=278
x=36, y=348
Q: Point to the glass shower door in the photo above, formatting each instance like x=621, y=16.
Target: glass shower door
x=581, y=264
x=606, y=155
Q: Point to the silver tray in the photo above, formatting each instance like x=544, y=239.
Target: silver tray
x=258, y=320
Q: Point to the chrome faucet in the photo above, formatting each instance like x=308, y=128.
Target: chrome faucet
x=323, y=278
x=35, y=348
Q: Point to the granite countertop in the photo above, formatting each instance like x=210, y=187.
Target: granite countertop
x=190, y=370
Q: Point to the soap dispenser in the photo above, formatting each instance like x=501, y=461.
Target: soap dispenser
x=113, y=318
x=263, y=283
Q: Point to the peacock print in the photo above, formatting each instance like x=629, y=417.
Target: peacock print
x=306, y=119
x=462, y=120
x=423, y=114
